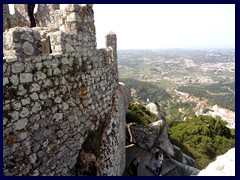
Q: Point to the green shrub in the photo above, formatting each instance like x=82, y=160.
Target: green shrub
x=139, y=114
x=203, y=138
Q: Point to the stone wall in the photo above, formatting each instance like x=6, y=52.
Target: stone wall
x=61, y=95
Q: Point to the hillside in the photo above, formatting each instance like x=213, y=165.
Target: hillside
x=202, y=138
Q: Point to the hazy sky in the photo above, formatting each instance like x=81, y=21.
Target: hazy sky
x=167, y=25
x=157, y=26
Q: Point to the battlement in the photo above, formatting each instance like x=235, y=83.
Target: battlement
x=74, y=17
x=57, y=89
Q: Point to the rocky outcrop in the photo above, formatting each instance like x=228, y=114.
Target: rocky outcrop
x=183, y=158
x=154, y=135
x=224, y=165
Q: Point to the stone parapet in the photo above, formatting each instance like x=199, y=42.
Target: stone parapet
x=58, y=88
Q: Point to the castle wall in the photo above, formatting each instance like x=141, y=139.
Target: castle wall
x=53, y=101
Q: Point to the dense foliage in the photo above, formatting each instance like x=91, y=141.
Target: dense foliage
x=139, y=114
x=146, y=90
x=215, y=93
x=171, y=109
x=202, y=137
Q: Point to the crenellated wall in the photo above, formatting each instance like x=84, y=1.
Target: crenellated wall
x=62, y=98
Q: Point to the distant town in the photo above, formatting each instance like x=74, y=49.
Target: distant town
x=206, y=77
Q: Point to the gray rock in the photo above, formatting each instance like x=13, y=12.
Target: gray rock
x=28, y=48
x=16, y=105
x=65, y=61
x=20, y=124
x=39, y=66
x=33, y=158
x=56, y=71
x=14, y=80
x=72, y=8
x=5, y=81
x=14, y=116
x=35, y=173
x=73, y=17
x=69, y=48
x=6, y=152
x=34, y=87
x=37, y=107
x=57, y=116
x=26, y=36
x=26, y=77
x=39, y=76
x=34, y=96
x=58, y=100
x=17, y=67
x=21, y=90
x=5, y=120
x=22, y=136
x=43, y=95
x=24, y=112
x=25, y=101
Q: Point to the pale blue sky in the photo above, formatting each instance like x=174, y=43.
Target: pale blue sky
x=162, y=26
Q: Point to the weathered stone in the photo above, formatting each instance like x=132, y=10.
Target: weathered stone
x=34, y=87
x=36, y=127
x=34, y=96
x=57, y=116
x=37, y=107
x=14, y=116
x=69, y=48
x=39, y=76
x=48, y=93
x=14, y=80
x=73, y=17
x=20, y=124
x=17, y=67
x=11, y=59
x=54, y=63
x=26, y=77
x=43, y=95
x=6, y=152
x=5, y=120
x=72, y=8
x=35, y=173
x=33, y=158
x=21, y=90
x=16, y=105
x=25, y=101
x=40, y=154
x=39, y=66
x=58, y=100
x=26, y=36
x=24, y=112
x=5, y=81
x=49, y=72
x=15, y=147
x=56, y=71
x=51, y=93
x=22, y=136
x=28, y=48
x=65, y=106
x=65, y=61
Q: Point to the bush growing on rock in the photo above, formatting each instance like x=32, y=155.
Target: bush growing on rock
x=139, y=114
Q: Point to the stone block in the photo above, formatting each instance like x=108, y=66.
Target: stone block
x=26, y=77
x=20, y=124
